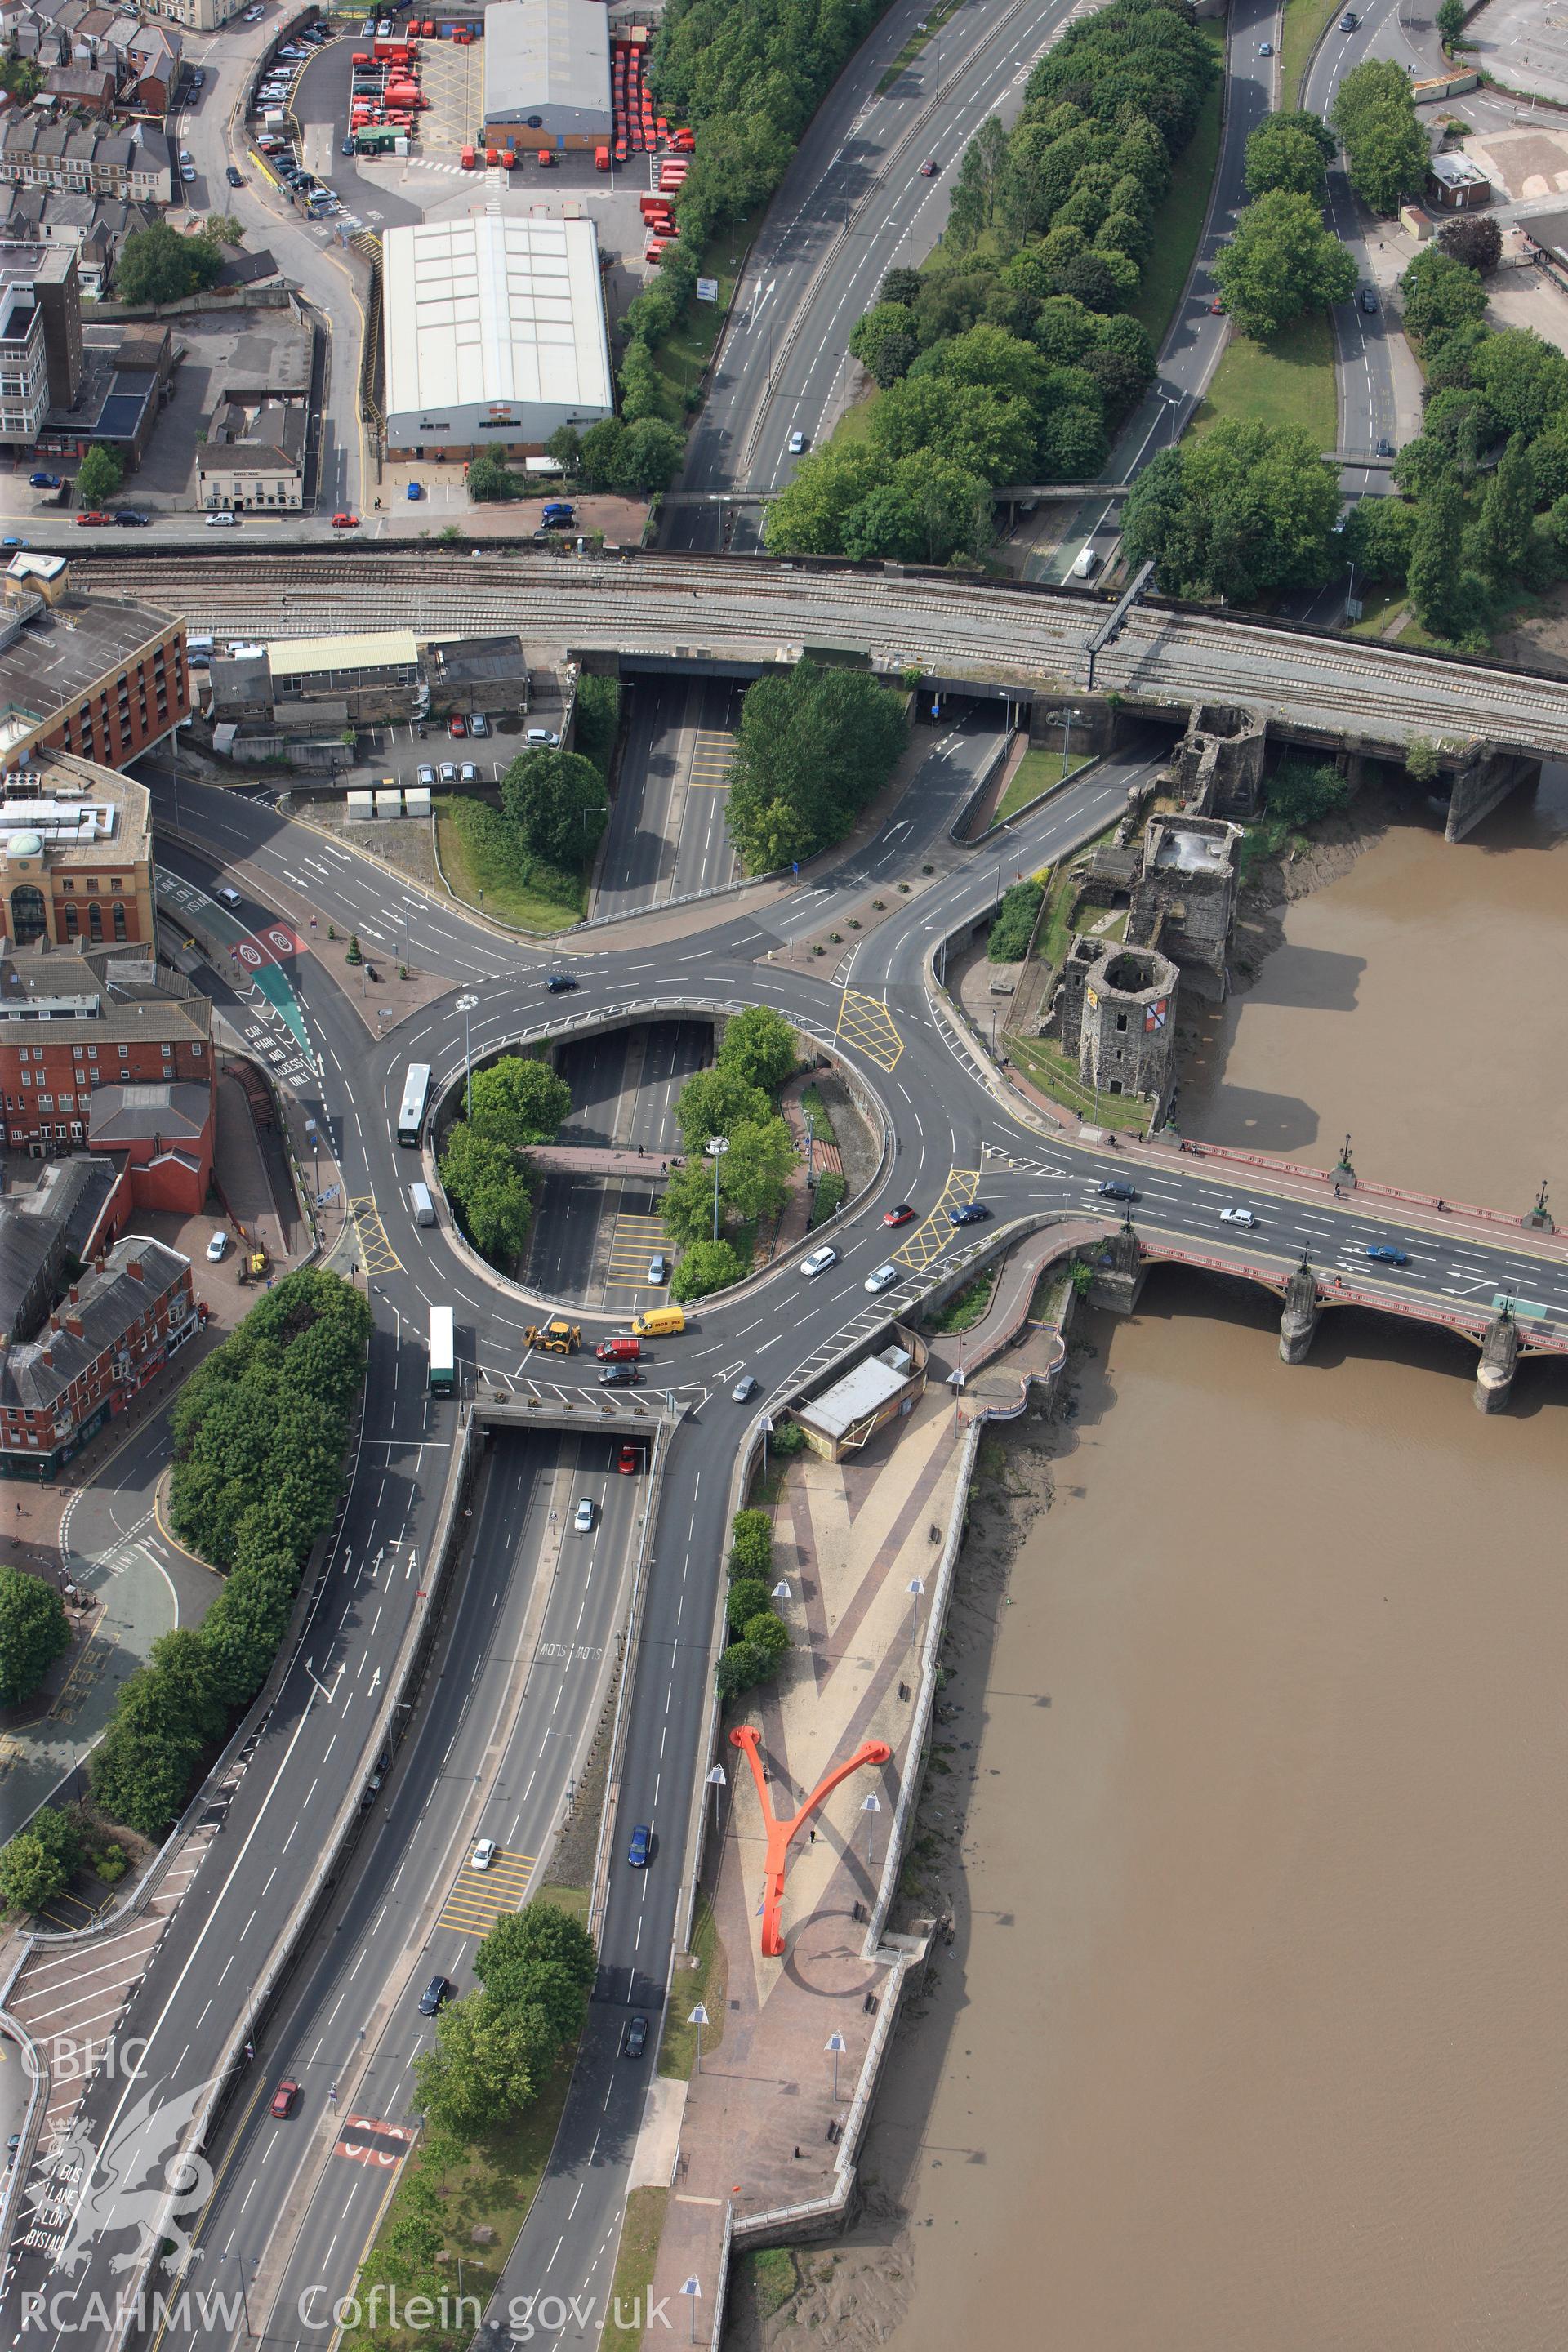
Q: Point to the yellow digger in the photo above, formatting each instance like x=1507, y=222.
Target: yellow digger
x=557, y=1338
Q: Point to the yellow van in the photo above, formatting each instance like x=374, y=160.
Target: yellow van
x=658, y=1322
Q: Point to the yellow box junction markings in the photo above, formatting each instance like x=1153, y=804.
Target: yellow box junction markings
x=376, y=1251
x=634, y=1242
x=712, y=759
x=931, y=1238
x=478, y=1898
x=866, y=1022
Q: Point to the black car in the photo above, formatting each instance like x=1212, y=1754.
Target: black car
x=233, y=175
x=560, y=983
x=437, y=1993
x=635, y=2042
x=1113, y=1189
x=128, y=520
x=619, y=1376
x=973, y=1213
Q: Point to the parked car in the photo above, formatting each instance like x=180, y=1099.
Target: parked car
x=483, y=1855
x=641, y=1846
x=187, y=173
x=220, y=521
x=1382, y=1254
x=345, y=522
x=558, y=510
x=217, y=1248
x=427, y=778
x=561, y=984
x=468, y=773
x=635, y=2042
x=91, y=516
x=45, y=481
x=544, y=737
x=457, y=725
x=233, y=175
x=284, y=2099
x=820, y=1260
x=584, y=1521
x=13, y=541
x=882, y=1276
x=901, y=1215
x=745, y=1388
x=1238, y=1217
x=478, y=724
x=448, y=771
x=128, y=518
x=974, y=1212
x=1114, y=1189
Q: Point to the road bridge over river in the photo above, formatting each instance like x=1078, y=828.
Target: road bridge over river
x=1007, y=638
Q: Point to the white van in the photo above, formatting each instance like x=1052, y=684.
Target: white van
x=1087, y=565
x=424, y=1206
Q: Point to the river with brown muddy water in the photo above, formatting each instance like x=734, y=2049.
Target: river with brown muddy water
x=1254, y=2030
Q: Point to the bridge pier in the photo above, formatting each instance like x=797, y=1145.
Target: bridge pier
x=1298, y=1322
x=1499, y=1357
x=1118, y=1280
x=1485, y=776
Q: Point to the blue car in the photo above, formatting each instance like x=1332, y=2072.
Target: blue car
x=13, y=543
x=558, y=510
x=972, y=1215
x=560, y=983
x=640, y=1847
x=1383, y=1256
x=45, y=481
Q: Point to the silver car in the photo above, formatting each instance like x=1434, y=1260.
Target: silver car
x=820, y=1260
x=882, y=1276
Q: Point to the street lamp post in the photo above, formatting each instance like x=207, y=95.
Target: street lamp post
x=716, y=1147
x=837, y=2045
x=916, y=1588
x=691, y=2290
x=810, y=1155
x=1064, y=719
x=718, y=1781
x=243, y=2298
x=871, y=1808
x=699, y=2017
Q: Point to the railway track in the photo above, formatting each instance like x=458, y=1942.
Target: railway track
x=695, y=606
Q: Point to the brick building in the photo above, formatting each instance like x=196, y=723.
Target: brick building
x=96, y=676
x=75, y=855
x=112, y=1331
x=102, y=1049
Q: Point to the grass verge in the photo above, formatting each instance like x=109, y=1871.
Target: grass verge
x=491, y=2190
x=641, y=2230
x=537, y=898
x=1289, y=380
x=1039, y=772
x=1058, y=1076
x=1183, y=214
x=932, y=24
x=763, y=2284
x=1305, y=21
x=707, y=1984
x=681, y=359
x=855, y=424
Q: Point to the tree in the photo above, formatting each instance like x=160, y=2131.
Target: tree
x=748, y=1596
x=1437, y=557
x=99, y=476
x=687, y=1204
x=598, y=717
x=1378, y=535
x=1281, y=261
x=1441, y=293
x=1523, y=378
x=1508, y=509
x=558, y=802
x=650, y=456
x=1291, y=151
x=539, y=1958
x=1474, y=240
x=518, y=1101
x=884, y=341
x=1387, y=153
x=484, y=2068
x=40, y=1860
x=226, y=228
x=1248, y=510
x=753, y=1177
x=924, y=510
x=488, y=1192
x=741, y=1667
x=715, y=1102
x=705, y=1266
x=815, y=745
x=760, y=1044
x=1302, y=793
x=33, y=1632
x=1451, y=22
x=1421, y=760
x=751, y=1544
x=768, y=1633
x=157, y=265
x=489, y=477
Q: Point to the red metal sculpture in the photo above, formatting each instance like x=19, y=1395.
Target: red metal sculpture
x=745, y=1736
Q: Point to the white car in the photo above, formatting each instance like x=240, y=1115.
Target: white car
x=1238, y=1217
x=543, y=735
x=221, y=521
x=796, y=443
x=882, y=1276
x=585, y=1518
x=483, y=1855
x=217, y=1247
x=820, y=1260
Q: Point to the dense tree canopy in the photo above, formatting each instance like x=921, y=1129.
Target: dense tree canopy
x=761, y=1046
x=99, y=476
x=1475, y=239
x=1386, y=149
x=488, y=1188
x=1246, y=511
x=157, y=265
x=558, y=802
x=1281, y=261
x=40, y=1860
x=518, y=1101
x=1291, y=151
x=1440, y=294
x=33, y=1632
x=495, y=2048
x=814, y=746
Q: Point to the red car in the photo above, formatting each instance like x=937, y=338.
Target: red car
x=92, y=516
x=345, y=522
x=1216, y=308
x=626, y=1462
x=459, y=725
x=899, y=1216
x=928, y=169
x=284, y=2098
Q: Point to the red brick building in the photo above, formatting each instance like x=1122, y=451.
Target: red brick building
x=109, y=1022
x=98, y=676
x=113, y=1329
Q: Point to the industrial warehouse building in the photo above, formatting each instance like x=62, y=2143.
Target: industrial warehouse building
x=547, y=73
x=494, y=333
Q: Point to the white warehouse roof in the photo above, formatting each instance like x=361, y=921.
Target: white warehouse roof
x=493, y=314
x=541, y=54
